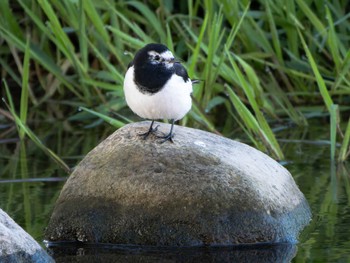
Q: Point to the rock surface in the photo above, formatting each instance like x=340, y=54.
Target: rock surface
x=18, y=246
x=202, y=189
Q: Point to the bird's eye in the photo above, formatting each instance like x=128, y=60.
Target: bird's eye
x=157, y=57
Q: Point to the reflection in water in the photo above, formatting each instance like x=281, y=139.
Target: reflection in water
x=108, y=253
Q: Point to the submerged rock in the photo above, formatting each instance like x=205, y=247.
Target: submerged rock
x=16, y=245
x=201, y=190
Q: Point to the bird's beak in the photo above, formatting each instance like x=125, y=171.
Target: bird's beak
x=173, y=61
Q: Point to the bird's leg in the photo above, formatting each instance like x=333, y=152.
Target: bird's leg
x=150, y=130
x=170, y=135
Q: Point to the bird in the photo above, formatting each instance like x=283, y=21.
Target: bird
x=157, y=86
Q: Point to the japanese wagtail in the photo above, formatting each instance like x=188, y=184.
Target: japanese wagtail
x=157, y=86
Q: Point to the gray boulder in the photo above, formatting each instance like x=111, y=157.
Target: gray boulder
x=202, y=189
x=17, y=246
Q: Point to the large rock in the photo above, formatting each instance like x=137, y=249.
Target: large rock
x=202, y=189
x=18, y=246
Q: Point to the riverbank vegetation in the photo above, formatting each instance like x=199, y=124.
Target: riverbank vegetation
x=265, y=67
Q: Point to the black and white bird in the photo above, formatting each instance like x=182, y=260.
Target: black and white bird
x=156, y=86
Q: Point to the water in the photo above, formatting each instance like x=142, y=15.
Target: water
x=326, y=186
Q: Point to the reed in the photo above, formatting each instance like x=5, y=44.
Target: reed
x=264, y=66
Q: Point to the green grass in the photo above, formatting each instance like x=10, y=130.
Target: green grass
x=24, y=130
x=264, y=66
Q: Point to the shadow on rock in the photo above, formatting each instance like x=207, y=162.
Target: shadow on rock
x=109, y=253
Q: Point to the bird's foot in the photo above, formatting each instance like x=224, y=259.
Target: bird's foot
x=147, y=133
x=169, y=137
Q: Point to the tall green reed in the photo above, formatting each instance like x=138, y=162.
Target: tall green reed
x=250, y=58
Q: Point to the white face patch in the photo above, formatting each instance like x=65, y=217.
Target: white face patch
x=167, y=55
x=164, y=57
x=155, y=57
x=169, y=58
x=153, y=53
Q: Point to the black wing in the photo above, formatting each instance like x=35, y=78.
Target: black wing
x=131, y=64
x=181, y=71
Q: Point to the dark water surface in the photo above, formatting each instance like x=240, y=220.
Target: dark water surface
x=326, y=186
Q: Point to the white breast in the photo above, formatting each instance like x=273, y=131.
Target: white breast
x=172, y=102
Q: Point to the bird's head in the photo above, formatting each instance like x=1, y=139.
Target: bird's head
x=153, y=66
x=156, y=55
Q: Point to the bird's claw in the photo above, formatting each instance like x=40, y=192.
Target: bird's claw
x=165, y=138
x=147, y=133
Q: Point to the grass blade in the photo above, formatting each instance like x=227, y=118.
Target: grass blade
x=36, y=140
x=320, y=82
x=111, y=121
x=252, y=90
x=153, y=21
x=42, y=58
x=195, y=52
x=334, y=124
x=345, y=147
x=332, y=40
x=9, y=97
x=243, y=111
x=82, y=35
x=344, y=71
x=25, y=89
x=64, y=42
x=95, y=18
x=275, y=39
x=311, y=16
